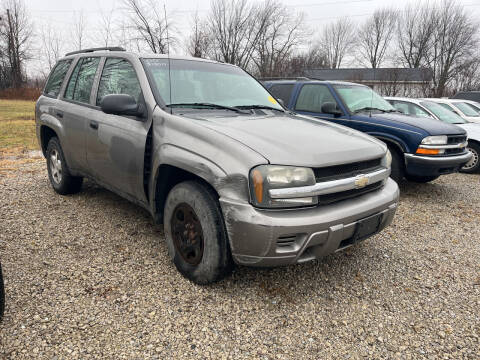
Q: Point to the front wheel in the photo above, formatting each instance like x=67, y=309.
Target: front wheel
x=398, y=167
x=420, y=179
x=473, y=166
x=195, y=233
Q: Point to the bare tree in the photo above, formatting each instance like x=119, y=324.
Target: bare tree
x=415, y=30
x=199, y=41
x=454, y=43
x=282, y=33
x=15, y=46
x=375, y=35
x=337, y=39
x=78, y=30
x=236, y=27
x=50, y=48
x=148, y=24
x=107, y=26
x=298, y=64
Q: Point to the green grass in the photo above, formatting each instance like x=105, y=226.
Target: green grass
x=17, y=125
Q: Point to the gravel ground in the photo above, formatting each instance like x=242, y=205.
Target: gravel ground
x=87, y=276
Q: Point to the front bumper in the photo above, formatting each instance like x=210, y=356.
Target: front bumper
x=435, y=166
x=282, y=237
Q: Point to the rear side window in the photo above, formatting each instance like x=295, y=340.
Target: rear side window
x=312, y=97
x=80, y=84
x=56, y=77
x=118, y=77
x=283, y=92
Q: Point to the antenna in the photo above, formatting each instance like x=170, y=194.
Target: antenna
x=168, y=56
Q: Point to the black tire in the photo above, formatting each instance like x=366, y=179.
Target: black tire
x=2, y=294
x=473, y=166
x=60, y=179
x=214, y=261
x=398, y=164
x=420, y=179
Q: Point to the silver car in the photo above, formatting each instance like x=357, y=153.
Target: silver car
x=233, y=176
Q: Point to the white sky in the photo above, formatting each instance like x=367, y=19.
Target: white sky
x=59, y=13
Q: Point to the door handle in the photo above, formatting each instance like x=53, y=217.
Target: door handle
x=60, y=114
x=94, y=125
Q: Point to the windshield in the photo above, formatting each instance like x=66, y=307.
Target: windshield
x=443, y=113
x=200, y=83
x=358, y=98
x=467, y=109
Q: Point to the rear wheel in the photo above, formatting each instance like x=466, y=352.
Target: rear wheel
x=473, y=166
x=58, y=173
x=420, y=179
x=398, y=167
x=195, y=233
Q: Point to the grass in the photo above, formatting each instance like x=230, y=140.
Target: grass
x=17, y=125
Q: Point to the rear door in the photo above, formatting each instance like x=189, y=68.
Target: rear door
x=75, y=109
x=116, y=144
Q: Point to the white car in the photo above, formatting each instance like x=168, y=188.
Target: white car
x=427, y=108
x=460, y=107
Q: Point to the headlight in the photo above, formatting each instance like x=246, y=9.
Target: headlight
x=388, y=159
x=266, y=177
x=435, y=140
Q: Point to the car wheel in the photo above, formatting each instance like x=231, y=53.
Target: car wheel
x=398, y=167
x=2, y=294
x=58, y=174
x=195, y=233
x=473, y=166
x=420, y=179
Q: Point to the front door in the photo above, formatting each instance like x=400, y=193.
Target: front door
x=116, y=144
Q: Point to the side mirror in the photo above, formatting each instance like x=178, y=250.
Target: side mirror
x=331, y=108
x=121, y=104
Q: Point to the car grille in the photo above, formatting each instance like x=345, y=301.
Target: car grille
x=456, y=139
x=346, y=170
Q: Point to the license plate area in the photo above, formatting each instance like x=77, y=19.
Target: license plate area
x=366, y=227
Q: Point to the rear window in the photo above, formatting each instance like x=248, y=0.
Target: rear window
x=283, y=92
x=56, y=77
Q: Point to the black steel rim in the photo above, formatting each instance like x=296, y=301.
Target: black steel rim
x=187, y=234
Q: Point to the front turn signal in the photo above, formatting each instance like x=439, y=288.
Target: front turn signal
x=257, y=178
x=422, y=151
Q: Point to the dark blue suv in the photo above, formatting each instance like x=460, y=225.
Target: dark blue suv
x=422, y=149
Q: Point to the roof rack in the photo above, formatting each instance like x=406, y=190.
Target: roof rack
x=112, y=48
x=298, y=78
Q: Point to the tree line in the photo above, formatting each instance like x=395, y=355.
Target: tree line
x=266, y=38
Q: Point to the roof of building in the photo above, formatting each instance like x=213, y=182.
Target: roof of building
x=365, y=74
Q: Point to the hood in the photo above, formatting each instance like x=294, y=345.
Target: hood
x=473, y=130
x=296, y=140
x=431, y=126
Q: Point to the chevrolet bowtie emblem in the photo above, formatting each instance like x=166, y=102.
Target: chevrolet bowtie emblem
x=361, y=181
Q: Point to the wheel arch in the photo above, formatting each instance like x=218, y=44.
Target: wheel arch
x=46, y=133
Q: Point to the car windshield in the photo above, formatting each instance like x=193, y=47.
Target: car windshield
x=442, y=113
x=361, y=98
x=201, y=84
x=467, y=109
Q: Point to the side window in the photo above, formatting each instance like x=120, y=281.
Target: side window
x=55, y=79
x=312, y=97
x=418, y=111
x=283, y=92
x=80, y=84
x=402, y=107
x=118, y=77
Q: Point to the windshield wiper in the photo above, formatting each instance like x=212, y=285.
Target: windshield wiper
x=368, y=108
x=209, y=106
x=259, y=107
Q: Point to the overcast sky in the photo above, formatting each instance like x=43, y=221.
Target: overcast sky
x=59, y=13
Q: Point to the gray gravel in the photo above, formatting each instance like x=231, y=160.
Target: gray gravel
x=88, y=276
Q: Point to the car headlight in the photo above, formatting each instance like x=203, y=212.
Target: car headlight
x=435, y=140
x=387, y=160
x=266, y=177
